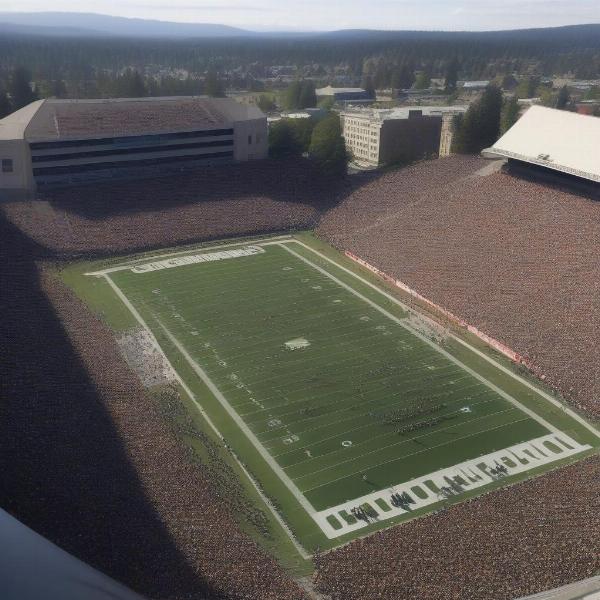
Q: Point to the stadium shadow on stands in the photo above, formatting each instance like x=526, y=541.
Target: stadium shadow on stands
x=64, y=471
x=561, y=181
x=287, y=180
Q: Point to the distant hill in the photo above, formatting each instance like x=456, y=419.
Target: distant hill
x=62, y=23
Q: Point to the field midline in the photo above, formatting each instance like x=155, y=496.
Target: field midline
x=314, y=354
x=331, y=481
x=401, y=388
x=254, y=343
x=261, y=337
x=409, y=327
x=399, y=443
x=360, y=415
x=347, y=431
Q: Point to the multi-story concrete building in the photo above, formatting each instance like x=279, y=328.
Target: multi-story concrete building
x=378, y=137
x=52, y=142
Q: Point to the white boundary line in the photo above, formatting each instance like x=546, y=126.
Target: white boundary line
x=283, y=241
x=192, y=396
x=425, y=339
x=479, y=353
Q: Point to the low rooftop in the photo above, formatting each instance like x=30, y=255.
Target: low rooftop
x=403, y=112
x=53, y=119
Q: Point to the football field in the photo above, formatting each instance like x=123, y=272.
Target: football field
x=356, y=409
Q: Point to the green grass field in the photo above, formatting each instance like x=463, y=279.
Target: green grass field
x=328, y=391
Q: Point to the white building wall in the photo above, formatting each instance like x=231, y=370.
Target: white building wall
x=250, y=140
x=17, y=152
x=362, y=136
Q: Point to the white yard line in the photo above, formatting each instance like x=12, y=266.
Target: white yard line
x=425, y=339
x=192, y=396
x=284, y=241
x=239, y=422
x=397, y=458
x=137, y=261
x=479, y=353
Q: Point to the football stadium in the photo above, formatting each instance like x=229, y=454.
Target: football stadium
x=243, y=385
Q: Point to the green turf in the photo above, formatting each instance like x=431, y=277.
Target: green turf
x=363, y=378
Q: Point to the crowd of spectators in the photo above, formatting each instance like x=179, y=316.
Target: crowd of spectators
x=515, y=258
x=210, y=203
x=88, y=461
x=510, y=543
x=98, y=470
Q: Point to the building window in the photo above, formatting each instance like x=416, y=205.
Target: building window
x=7, y=165
x=249, y=140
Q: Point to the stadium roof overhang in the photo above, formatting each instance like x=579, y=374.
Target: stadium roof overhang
x=558, y=140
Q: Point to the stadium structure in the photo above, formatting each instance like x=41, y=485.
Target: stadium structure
x=264, y=383
x=555, y=144
x=54, y=141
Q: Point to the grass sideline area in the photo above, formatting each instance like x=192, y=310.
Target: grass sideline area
x=319, y=385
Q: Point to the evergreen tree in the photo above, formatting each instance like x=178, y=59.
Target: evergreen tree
x=213, y=86
x=510, y=114
x=451, y=76
x=527, y=87
x=5, y=108
x=307, y=97
x=423, y=81
x=20, y=88
x=563, y=98
x=265, y=103
x=327, y=146
x=368, y=86
x=282, y=140
x=479, y=128
x=291, y=99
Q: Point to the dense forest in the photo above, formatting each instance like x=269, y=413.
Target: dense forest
x=242, y=61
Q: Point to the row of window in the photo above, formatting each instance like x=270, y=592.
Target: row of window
x=130, y=139
x=70, y=169
x=125, y=151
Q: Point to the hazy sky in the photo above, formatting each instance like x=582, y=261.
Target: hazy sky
x=339, y=14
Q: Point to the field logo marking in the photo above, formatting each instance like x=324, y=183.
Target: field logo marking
x=263, y=452
x=191, y=259
x=453, y=481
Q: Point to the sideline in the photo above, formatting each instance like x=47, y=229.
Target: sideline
x=425, y=339
x=479, y=353
x=300, y=549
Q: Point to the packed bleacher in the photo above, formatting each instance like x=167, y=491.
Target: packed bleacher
x=510, y=543
x=210, y=203
x=88, y=461
x=96, y=468
x=515, y=258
